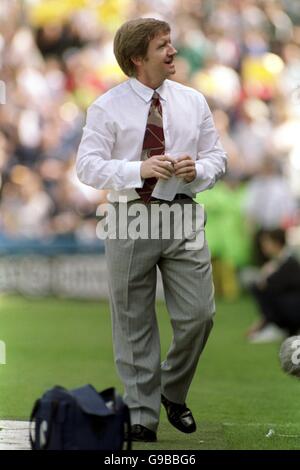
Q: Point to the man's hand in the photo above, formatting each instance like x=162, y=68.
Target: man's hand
x=158, y=166
x=185, y=168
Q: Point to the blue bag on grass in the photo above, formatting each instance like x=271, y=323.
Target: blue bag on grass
x=80, y=419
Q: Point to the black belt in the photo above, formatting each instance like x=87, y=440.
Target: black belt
x=181, y=196
x=178, y=197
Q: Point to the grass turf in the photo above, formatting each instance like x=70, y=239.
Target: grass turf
x=238, y=394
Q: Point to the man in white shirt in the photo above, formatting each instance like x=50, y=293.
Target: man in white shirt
x=117, y=153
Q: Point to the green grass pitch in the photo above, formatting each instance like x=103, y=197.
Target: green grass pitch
x=238, y=394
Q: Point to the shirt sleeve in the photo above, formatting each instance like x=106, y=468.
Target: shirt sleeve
x=211, y=158
x=95, y=165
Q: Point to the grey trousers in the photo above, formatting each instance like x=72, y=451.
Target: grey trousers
x=189, y=295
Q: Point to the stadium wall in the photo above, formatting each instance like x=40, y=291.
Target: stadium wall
x=69, y=276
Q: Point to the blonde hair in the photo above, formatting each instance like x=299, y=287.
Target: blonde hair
x=132, y=40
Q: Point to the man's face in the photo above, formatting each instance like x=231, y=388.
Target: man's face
x=159, y=62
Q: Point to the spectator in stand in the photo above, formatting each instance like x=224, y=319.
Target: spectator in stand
x=268, y=204
x=57, y=57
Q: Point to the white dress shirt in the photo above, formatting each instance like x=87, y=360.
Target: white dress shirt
x=109, y=155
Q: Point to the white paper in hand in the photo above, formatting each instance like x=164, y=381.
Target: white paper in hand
x=166, y=189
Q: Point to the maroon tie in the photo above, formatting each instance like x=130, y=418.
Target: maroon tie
x=154, y=143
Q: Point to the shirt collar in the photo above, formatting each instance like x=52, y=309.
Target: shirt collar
x=145, y=92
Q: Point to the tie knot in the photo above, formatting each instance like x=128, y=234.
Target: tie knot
x=155, y=96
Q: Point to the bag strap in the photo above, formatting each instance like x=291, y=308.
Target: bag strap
x=127, y=426
x=118, y=405
x=110, y=394
x=32, y=416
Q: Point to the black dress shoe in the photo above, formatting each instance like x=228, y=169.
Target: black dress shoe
x=140, y=433
x=179, y=416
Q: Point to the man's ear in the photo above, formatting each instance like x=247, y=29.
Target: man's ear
x=137, y=61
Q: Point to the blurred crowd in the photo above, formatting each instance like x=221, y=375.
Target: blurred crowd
x=56, y=57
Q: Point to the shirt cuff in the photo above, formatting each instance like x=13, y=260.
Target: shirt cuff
x=132, y=175
x=199, y=171
x=193, y=186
